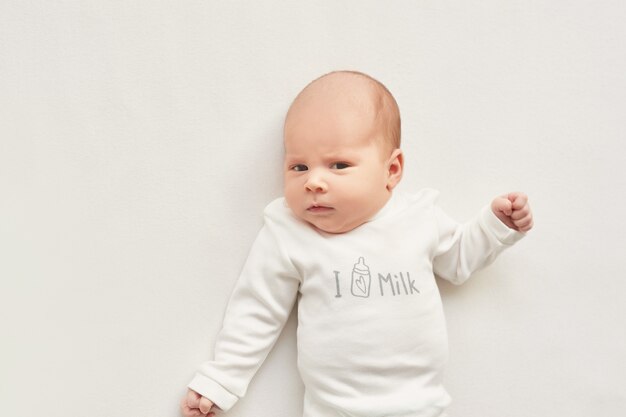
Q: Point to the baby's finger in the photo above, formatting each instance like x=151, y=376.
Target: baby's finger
x=524, y=224
x=193, y=399
x=521, y=213
x=518, y=200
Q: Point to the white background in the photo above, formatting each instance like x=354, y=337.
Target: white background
x=140, y=141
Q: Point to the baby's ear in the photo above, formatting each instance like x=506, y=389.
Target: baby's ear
x=395, y=168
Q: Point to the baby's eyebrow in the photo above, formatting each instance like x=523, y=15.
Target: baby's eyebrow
x=339, y=155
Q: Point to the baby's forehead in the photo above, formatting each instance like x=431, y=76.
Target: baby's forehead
x=342, y=92
x=346, y=93
x=355, y=89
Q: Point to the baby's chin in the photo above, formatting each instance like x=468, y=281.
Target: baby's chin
x=334, y=228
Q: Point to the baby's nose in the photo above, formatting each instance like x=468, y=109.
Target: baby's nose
x=316, y=183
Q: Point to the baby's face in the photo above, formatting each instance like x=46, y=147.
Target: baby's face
x=336, y=169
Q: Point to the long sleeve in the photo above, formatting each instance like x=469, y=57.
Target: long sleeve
x=465, y=248
x=257, y=311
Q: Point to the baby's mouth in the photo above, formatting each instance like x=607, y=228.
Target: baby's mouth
x=319, y=208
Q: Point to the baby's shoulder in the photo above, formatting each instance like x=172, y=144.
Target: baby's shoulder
x=422, y=198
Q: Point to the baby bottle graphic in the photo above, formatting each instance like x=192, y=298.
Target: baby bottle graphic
x=361, y=279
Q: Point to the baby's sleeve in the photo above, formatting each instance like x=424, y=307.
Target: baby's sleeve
x=256, y=313
x=465, y=248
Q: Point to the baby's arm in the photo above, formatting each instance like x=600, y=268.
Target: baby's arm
x=463, y=249
x=257, y=311
x=195, y=405
x=513, y=210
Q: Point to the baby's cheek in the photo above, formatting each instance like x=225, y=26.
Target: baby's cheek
x=291, y=196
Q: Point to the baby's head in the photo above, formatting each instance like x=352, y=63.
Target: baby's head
x=342, y=151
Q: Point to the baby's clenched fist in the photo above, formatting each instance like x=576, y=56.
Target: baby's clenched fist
x=195, y=405
x=513, y=210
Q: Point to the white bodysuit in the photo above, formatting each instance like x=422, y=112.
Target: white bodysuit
x=371, y=333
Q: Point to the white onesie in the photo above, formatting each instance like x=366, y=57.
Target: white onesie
x=371, y=333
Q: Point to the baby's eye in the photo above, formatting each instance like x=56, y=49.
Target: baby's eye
x=299, y=167
x=340, y=165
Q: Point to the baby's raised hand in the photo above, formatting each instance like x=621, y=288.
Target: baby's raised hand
x=513, y=210
x=195, y=405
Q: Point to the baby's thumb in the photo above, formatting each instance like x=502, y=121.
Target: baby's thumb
x=502, y=205
x=205, y=405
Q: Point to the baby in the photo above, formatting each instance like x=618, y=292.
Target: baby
x=360, y=260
